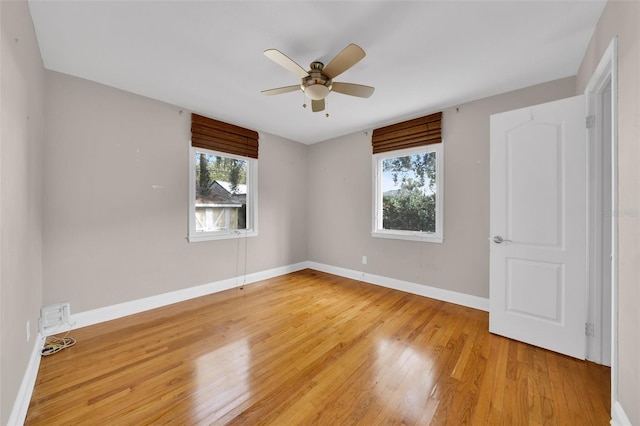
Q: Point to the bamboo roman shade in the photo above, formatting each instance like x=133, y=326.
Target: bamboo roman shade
x=408, y=134
x=219, y=136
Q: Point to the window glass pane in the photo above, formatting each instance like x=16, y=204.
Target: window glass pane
x=409, y=193
x=221, y=193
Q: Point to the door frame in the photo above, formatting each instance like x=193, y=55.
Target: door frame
x=606, y=72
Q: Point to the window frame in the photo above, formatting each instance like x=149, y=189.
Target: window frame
x=429, y=237
x=251, y=200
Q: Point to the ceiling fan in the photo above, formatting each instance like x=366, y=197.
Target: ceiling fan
x=318, y=82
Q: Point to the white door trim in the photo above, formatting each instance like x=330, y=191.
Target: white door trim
x=607, y=71
x=600, y=211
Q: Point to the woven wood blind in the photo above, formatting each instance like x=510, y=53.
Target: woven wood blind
x=408, y=134
x=219, y=136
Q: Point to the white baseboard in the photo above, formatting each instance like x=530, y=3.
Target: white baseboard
x=467, y=300
x=618, y=416
x=108, y=313
x=23, y=398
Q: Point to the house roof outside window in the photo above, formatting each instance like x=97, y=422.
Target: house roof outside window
x=220, y=195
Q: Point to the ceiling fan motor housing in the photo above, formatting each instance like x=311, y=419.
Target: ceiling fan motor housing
x=316, y=85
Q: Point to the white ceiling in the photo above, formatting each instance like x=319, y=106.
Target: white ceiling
x=422, y=56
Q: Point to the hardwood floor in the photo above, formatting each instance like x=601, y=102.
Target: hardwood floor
x=312, y=348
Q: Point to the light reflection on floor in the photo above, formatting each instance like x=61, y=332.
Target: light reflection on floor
x=411, y=371
x=222, y=378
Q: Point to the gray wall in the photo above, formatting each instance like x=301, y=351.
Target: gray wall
x=622, y=18
x=21, y=135
x=116, y=200
x=340, y=205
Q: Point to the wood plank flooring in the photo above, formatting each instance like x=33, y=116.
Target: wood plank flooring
x=310, y=348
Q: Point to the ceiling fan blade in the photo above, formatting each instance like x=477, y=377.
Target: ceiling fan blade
x=317, y=106
x=352, y=89
x=285, y=62
x=279, y=90
x=344, y=60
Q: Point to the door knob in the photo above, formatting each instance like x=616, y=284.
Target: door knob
x=499, y=240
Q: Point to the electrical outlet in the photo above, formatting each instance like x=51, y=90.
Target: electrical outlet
x=364, y=260
x=28, y=330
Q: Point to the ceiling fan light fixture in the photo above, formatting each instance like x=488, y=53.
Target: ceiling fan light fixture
x=316, y=91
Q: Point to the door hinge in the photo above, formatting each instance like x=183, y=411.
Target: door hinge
x=590, y=121
x=589, y=329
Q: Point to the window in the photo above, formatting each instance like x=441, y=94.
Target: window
x=408, y=194
x=223, y=195
x=223, y=180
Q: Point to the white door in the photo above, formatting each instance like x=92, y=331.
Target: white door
x=538, y=177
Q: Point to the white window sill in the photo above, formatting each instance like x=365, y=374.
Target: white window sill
x=220, y=235
x=407, y=235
